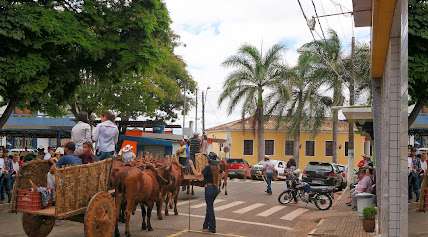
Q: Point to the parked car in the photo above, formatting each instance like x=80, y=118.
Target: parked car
x=257, y=170
x=342, y=170
x=322, y=174
x=238, y=168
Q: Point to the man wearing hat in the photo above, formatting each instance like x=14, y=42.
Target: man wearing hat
x=364, y=185
x=268, y=172
x=365, y=162
x=211, y=174
x=127, y=154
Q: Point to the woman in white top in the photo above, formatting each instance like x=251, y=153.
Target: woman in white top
x=81, y=132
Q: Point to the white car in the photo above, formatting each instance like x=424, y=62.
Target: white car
x=256, y=170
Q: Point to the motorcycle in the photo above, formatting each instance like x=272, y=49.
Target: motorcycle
x=321, y=196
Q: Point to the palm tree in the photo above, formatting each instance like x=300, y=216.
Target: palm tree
x=327, y=59
x=253, y=72
x=297, y=102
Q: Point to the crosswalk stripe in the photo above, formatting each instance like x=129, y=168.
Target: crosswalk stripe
x=249, y=208
x=185, y=202
x=271, y=211
x=292, y=215
x=204, y=204
x=224, y=207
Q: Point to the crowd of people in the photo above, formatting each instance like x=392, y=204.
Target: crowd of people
x=417, y=170
x=79, y=150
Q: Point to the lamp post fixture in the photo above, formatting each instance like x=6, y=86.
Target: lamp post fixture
x=204, y=100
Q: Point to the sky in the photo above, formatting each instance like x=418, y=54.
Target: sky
x=210, y=31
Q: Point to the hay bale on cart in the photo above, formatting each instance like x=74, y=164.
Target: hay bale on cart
x=81, y=194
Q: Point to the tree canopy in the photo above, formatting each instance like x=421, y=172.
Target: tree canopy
x=50, y=49
x=418, y=56
x=253, y=72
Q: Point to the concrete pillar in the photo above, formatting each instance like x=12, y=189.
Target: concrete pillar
x=393, y=216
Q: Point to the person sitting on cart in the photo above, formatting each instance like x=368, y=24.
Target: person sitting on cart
x=127, y=154
x=69, y=159
x=181, y=153
x=88, y=155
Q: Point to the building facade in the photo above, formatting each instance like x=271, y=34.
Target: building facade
x=241, y=142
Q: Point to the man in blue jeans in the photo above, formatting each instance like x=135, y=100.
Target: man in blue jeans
x=268, y=172
x=106, y=136
x=211, y=175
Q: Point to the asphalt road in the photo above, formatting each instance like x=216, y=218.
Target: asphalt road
x=246, y=211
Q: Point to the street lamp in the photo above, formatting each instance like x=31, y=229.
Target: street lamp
x=204, y=100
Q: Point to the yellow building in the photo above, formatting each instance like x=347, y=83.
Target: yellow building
x=279, y=146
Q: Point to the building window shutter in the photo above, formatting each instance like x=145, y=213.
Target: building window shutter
x=248, y=147
x=329, y=148
x=269, y=147
x=310, y=148
x=346, y=148
x=289, y=148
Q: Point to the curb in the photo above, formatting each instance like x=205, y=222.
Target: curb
x=312, y=233
x=5, y=206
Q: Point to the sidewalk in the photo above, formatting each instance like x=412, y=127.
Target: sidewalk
x=418, y=222
x=340, y=220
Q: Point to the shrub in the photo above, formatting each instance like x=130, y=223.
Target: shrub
x=369, y=213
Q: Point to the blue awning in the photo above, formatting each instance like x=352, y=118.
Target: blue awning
x=421, y=122
x=15, y=122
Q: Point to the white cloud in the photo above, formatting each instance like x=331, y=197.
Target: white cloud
x=214, y=30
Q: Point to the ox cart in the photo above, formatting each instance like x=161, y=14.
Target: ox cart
x=194, y=172
x=81, y=194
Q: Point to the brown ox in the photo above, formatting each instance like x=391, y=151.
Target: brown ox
x=138, y=185
x=170, y=191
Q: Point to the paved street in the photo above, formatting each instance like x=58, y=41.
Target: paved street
x=246, y=211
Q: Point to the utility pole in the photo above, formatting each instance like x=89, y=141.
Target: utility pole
x=184, y=108
x=203, y=112
x=196, y=111
x=350, y=122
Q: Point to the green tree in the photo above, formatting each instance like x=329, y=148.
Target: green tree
x=328, y=59
x=297, y=102
x=148, y=95
x=40, y=46
x=418, y=56
x=49, y=48
x=253, y=73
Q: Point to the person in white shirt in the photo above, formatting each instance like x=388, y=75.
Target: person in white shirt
x=424, y=163
x=268, y=172
x=47, y=155
x=106, y=136
x=81, y=132
x=3, y=177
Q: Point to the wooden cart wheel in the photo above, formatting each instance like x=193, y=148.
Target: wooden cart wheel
x=100, y=216
x=37, y=226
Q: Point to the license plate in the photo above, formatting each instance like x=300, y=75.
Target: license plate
x=316, y=182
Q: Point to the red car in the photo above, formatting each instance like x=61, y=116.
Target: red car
x=238, y=168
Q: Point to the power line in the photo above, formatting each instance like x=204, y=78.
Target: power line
x=313, y=37
x=318, y=19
